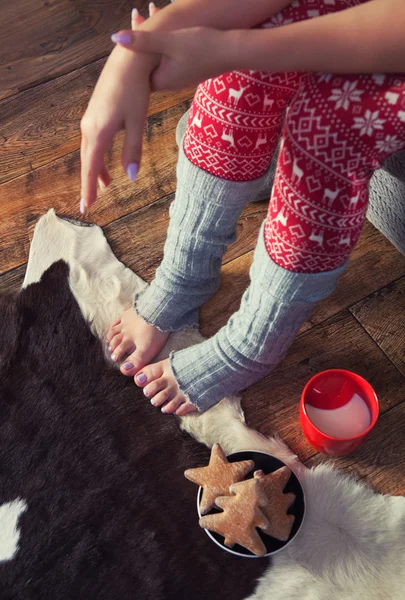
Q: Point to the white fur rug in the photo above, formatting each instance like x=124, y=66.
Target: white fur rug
x=352, y=542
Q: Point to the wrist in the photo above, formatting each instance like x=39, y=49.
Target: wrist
x=138, y=63
x=146, y=63
x=234, y=47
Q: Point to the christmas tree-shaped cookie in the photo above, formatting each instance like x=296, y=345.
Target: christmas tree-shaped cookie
x=242, y=514
x=279, y=522
x=216, y=478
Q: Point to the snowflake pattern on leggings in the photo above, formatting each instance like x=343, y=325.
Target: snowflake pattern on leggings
x=335, y=131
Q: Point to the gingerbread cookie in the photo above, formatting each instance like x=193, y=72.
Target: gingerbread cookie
x=242, y=514
x=217, y=476
x=279, y=522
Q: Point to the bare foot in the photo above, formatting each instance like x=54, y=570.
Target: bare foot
x=131, y=335
x=160, y=386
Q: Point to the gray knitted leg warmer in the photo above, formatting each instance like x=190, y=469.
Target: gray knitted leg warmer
x=203, y=220
x=386, y=209
x=257, y=336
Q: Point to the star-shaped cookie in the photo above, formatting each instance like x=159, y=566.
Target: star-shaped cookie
x=216, y=478
x=242, y=514
x=279, y=523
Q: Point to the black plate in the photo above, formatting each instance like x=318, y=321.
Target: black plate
x=267, y=464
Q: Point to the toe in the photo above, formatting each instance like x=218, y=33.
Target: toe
x=115, y=342
x=174, y=404
x=134, y=362
x=114, y=330
x=185, y=409
x=148, y=374
x=162, y=397
x=151, y=389
x=138, y=360
x=122, y=350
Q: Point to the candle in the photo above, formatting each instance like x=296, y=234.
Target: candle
x=347, y=421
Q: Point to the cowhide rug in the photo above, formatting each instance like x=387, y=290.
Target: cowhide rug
x=93, y=502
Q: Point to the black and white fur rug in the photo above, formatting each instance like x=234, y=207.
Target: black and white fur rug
x=93, y=502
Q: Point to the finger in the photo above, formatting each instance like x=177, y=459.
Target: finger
x=104, y=178
x=143, y=41
x=132, y=149
x=152, y=9
x=136, y=19
x=92, y=166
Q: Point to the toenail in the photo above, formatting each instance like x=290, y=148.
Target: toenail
x=141, y=378
x=109, y=348
x=113, y=357
x=163, y=411
x=145, y=391
x=128, y=365
x=153, y=403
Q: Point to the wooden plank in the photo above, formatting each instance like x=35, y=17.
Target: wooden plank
x=24, y=199
x=271, y=405
x=56, y=40
x=383, y=316
x=138, y=239
x=248, y=230
x=235, y=275
x=43, y=40
x=98, y=14
x=42, y=124
x=374, y=263
x=234, y=280
x=380, y=461
x=353, y=286
x=11, y=282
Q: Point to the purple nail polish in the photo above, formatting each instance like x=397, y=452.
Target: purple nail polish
x=132, y=171
x=141, y=378
x=163, y=411
x=109, y=348
x=145, y=391
x=121, y=38
x=153, y=403
x=113, y=357
x=128, y=365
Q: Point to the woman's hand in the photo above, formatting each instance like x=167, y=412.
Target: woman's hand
x=120, y=101
x=188, y=56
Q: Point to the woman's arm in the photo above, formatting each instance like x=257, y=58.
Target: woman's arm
x=218, y=14
x=364, y=39
x=122, y=93
x=369, y=38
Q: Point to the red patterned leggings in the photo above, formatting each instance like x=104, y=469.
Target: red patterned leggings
x=335, y=131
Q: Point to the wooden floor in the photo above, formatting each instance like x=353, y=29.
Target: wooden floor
x=51, y=53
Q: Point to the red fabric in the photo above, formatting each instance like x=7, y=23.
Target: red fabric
x=337, y=131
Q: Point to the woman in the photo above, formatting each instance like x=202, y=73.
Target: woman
x=337, y=130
